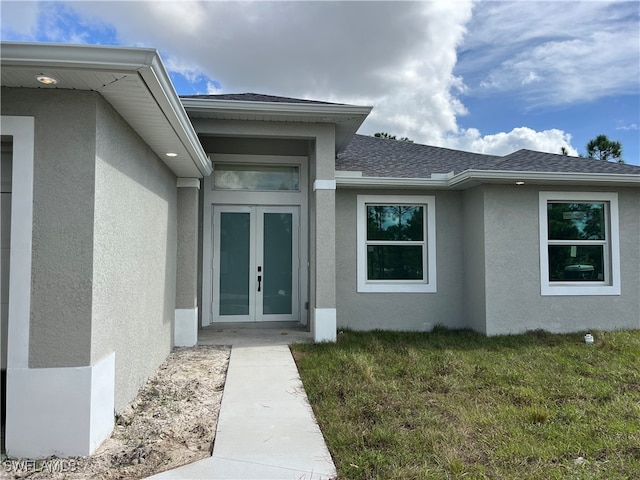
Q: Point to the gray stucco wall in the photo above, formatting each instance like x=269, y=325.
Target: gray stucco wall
x=134, y=280
x=514, y=302
x=63, y=191
x=401, y=311
x=474, y=258
x=187, y=265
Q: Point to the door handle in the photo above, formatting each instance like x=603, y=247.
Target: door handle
x=259, y=281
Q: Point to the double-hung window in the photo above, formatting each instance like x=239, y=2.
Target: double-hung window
x=396, y=243
x=579, y=246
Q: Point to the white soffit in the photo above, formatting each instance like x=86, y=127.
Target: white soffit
x=132, y=80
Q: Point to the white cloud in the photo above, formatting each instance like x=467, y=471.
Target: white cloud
x=530, y=78
x=503, y=143
x=397, y=56
x=630, y=127
x=19, y=18
x=575, y=51
x=411, y=60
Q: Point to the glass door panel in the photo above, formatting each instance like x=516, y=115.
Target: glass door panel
x=278, y=264
x=235, y=234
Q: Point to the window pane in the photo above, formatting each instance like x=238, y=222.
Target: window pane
x=395, y=222
x=576, y=221
x=394, y=262
x=256, y=177
x=575, y=263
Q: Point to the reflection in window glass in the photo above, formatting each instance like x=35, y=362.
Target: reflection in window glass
x=574, y=263
x=394, y=262
x=577, y=241
x=395, y=222
x=576, y=221
x=395, y=242
x=256, y=177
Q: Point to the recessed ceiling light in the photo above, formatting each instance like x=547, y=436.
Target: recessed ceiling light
x=171, y=154
x=46, y=80
x=519, y=182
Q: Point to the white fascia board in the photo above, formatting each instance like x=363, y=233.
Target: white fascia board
x=489, y=176
x=85, y=57
x=389, y=182
x=157, y=80
x=330, y=112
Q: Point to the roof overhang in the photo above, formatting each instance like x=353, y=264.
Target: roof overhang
x=133, y=80
x=346, y=118
x=471, y=178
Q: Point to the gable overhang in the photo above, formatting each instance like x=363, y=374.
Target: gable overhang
x=471, y=178
x=133, y=80
x=346, y=118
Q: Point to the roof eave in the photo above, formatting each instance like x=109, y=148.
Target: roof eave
x=347, y=118
x=471, y=178
x=345, y=181
x=161, y=87
x=144, y=62
x=212, y=105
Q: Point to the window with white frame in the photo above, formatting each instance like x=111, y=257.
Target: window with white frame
x=396, y=243
x=579, y=245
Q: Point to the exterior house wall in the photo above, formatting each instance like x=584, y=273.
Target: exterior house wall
x=513, y=299
x=474, y=258
x=63, y=192
x=401, y=311
x=103, y=256
x=134, y=281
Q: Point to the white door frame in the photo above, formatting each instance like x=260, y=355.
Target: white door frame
x=299, y=199
x=256, y=287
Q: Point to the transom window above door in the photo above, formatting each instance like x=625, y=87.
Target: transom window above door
x=256, y=177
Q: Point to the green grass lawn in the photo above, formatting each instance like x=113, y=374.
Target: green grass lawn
x=455, y=404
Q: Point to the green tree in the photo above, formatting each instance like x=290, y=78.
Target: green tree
x=604, y=149
x=392, y=137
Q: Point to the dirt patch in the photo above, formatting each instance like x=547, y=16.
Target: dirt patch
x=170, y=423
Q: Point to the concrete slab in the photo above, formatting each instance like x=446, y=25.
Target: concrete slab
x=266, y=428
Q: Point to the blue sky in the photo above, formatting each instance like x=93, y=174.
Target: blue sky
x=482, y=76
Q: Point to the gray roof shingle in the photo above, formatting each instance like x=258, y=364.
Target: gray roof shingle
x=532, y=161
x=380, y=157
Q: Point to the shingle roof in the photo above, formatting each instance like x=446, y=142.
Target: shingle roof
x=532, y=161
x=257, y=97
x=380, y=157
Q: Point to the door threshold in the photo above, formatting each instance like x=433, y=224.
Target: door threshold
x=256, y=326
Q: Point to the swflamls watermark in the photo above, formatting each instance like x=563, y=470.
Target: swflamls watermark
x=52, y=465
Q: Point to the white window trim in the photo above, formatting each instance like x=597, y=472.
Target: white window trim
x=396, y=286
x=613, y=229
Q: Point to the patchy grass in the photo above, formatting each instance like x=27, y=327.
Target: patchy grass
x=455, y=404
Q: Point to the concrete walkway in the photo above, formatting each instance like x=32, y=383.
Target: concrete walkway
x=266, y=429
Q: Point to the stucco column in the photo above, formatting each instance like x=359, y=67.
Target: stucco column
x=323, y=324
x=186, y=316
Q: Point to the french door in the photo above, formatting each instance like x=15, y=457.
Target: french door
x=255, y=263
